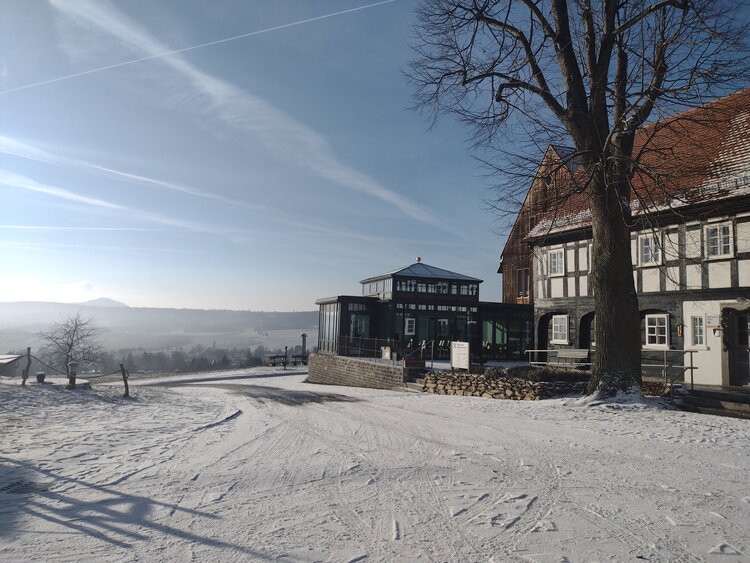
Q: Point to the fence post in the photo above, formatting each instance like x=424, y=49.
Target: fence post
x=72, y=367
x=125, y=380
x=25, y=374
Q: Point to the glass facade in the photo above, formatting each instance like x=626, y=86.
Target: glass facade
x=328, y=328
x=381, y=288
x=433, y=287
x=506, y=333
x=423, y=312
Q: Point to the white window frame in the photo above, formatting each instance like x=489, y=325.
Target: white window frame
x=562, y=336
x=410, y=326
x=561, y=262
x=706, y=244
x=656, y=253
x=656, y=345
x=693, y=332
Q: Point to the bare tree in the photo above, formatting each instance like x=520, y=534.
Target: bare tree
x=73, y=339
x=592, y=73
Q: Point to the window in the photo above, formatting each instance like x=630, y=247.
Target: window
x=560, y=329
x=718, y=240
x=443, y=328
x=522, y=282
x=698, y=331
x=649, y=250
x=359, y=325
x=657, y=331
x=556, y=262
x=409, y=326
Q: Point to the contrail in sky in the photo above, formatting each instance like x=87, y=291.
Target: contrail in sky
x=193, y=47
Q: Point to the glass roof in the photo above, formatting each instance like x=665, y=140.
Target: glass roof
x=420, y=270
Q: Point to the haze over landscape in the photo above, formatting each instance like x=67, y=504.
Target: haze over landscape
x=157, y=329
x=229, y=155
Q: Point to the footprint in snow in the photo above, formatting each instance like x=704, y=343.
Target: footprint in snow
x=545, y=526
x=726, y=549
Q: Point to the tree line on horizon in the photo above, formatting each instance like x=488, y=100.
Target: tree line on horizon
x=75, y=339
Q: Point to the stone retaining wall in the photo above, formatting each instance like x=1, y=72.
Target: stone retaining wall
x=497, y=387
x=341, y=370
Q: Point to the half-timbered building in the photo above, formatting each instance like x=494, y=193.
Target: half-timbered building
x=690, y=242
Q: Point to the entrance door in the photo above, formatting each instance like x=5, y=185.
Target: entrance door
x=739, y=352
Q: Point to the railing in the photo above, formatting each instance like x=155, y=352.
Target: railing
x=422, y=348
x=672, y=365
x=551, y=357
x=435, y=349
x=374, y=348
x=359, y=347
x=670, y=361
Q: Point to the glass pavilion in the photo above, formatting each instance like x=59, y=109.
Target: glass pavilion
x=422, y=306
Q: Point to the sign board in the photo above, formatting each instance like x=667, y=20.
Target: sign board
x=385, y=352
x=460, y=355
x=712, y=321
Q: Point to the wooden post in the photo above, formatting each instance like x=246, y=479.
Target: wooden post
x=25, y=374
x=125, y=380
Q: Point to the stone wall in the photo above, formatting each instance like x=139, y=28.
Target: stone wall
x=514, y=388
x=340, y=370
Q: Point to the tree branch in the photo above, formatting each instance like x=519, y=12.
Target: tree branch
x=543, y=89
x=683, y=5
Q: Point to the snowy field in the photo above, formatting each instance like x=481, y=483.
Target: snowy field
x=261, y=466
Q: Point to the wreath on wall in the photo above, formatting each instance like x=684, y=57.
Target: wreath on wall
x=724, y=327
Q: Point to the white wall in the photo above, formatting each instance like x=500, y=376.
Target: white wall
x=719, y=274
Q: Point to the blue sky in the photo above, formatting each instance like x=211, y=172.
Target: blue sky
x=257, y=173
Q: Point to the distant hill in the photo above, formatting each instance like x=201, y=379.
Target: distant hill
x=103, y=302
x=121, y=326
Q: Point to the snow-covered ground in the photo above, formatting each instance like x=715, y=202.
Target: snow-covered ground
x=262, y=466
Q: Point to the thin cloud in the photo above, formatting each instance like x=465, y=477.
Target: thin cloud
x=22, y=149
x=284, y=137
x=4, y=70
x=14, y=147
x=120, y=249
x=28, y=184
x=72, y=229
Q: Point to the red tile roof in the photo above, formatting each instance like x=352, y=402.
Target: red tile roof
x=696, y=156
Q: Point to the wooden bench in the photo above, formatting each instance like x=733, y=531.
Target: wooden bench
x=299, y=359
x=276, y=360
x=569, y=357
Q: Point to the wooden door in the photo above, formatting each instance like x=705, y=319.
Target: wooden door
x=739, y=350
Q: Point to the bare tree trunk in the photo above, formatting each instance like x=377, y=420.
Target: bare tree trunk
x=617, y=364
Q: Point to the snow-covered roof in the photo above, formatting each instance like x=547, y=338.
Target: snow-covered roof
x=8, y=358
x=421, y=270
x=698, y=156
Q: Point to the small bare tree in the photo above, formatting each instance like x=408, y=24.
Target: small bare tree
x=73, y=339
x=592, y=73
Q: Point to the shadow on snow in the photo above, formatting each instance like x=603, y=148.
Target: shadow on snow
x=115, y=517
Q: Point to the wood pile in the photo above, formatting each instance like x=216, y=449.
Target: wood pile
x=513, y=388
